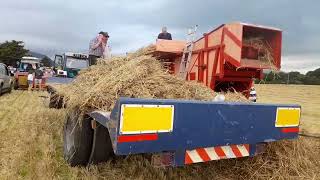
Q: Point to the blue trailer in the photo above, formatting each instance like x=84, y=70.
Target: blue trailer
x=178, y=132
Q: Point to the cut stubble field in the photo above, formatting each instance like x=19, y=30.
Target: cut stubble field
x=306, y=96
x=31, y=143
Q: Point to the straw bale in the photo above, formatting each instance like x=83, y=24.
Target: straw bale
x=137, y=75
x=264, y=50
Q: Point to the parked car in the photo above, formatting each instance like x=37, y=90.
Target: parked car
x=6, y=81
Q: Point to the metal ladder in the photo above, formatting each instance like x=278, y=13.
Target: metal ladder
x=187, y=53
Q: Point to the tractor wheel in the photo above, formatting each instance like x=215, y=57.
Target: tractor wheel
x=78, y=137
x=102, y=150
x=10, y=88
x=56, y=101
x=16, y=85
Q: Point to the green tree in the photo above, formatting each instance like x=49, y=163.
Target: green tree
x=276, y=78
x=11, y=52
x=312, y=77
x=295, y=78
x=270, y=76
x=315, y=73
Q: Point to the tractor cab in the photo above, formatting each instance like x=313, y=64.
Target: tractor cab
x=69, y=64
x=28, y=63
x=24, y=66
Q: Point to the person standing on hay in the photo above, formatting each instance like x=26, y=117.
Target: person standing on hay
x=97, y=47
x=164, y=34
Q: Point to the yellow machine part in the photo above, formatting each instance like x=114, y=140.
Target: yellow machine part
x=23, y=81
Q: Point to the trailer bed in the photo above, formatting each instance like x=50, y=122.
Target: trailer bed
x=196, y=131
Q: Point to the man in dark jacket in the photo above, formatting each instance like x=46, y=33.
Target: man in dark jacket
x=164, y=34
x=38, y=78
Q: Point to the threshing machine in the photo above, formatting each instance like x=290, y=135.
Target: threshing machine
x=226, y=59
x=180, y=132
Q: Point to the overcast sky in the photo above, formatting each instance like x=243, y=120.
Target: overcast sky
x=56, y=26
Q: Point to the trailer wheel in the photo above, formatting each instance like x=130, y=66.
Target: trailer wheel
x=77, y=140
x=56, y=101
x=16, y=85
x=10, y=88
x=102, y=150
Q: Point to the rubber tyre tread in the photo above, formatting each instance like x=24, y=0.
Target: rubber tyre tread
x=103, y=148
x=56, y=101
x=10, y=88
x=81, y=137
x=16, y=85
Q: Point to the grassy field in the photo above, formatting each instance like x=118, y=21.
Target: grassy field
x=31, y=144
x=306, y=96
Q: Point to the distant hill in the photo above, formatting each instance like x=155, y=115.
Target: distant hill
x=43, y=58
x=36, y=54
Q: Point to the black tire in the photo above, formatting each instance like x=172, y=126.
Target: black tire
x=77, y=140
x=16, y=86
x=56, y=101
x=10, y=88
x=103, y=150
x=0, y=89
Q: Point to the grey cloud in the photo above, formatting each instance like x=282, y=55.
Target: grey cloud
x=54, y=26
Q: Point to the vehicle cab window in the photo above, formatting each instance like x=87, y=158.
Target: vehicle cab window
x=3, y=70
x=76, y=63
x=6, y=71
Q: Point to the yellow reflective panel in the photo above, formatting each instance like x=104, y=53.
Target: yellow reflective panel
x=146, y=118
x=287, y=117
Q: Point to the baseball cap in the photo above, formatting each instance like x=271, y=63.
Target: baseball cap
x=104, y=33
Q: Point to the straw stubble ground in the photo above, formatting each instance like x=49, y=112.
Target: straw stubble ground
x=31, y=146
x=306, y=96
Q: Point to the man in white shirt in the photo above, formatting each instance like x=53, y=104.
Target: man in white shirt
x=30, y=79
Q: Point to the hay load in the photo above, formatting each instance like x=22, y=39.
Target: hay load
x=264, y=50
x=137, y=75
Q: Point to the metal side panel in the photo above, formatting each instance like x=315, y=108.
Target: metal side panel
x=59, y=80
x=143, y=125
x=107, y=119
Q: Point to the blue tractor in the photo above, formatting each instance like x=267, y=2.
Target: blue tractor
x=69, y=64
